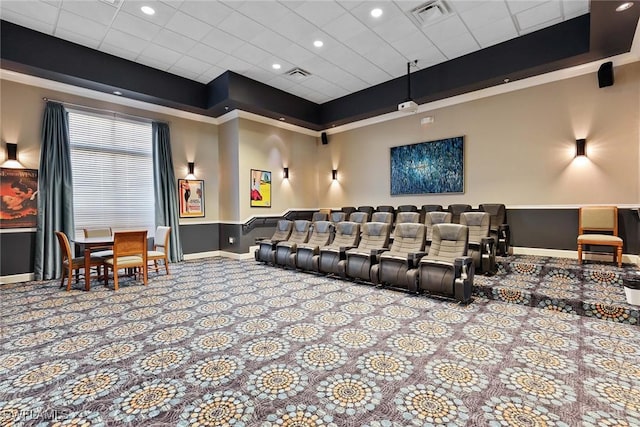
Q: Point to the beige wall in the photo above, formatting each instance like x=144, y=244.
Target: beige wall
x=519, y=148
x=229, y=196
x=21, y=111
x=270, y=148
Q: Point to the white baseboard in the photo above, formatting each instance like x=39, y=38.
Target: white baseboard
x=558, y=253
x=16, y=278
x=555, y=253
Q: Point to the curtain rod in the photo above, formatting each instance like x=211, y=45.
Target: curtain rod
x=102, y=110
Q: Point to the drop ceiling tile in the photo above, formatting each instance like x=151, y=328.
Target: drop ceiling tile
x=135, y=26
x=76, y=38
x=485, y=14
x=174, y=41
x=206, y=53
x=160, y=54
x=234, y=64
x=445, y=29
x=363, y=12
x=319, y=13
x=211, y=74
x=192, y=64
x=458, y=46
x=388, y=59
x=164, y=11
x=233, y=4
x=460, y=6
x=413, y=46
x=153, y=63
x=271, y=41
x=429, y=56
x=365, y=42
x=306, y=40
x=251, y=54
x=35, y=10
x=186, y=25
x=295, y=54
x=96, y=11
x=117, y=50
x=183, y=72
x=573, y=8
x=538, y=15
x=25, y=21
x=118, y=38
x=222, y=41
x=517, y=6
x=241, y=26
x=211, y=12
x=258, y=74
x=292, y=26
x=496, y=32
x=397, y=28
x=80, y=26
x=264, y=12
x=280, y=82
x=344, y=27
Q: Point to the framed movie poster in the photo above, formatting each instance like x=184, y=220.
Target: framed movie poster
x=18, y=203
x=260, y=188
x=191, y=194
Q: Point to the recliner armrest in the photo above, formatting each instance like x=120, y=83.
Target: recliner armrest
x=413, y=258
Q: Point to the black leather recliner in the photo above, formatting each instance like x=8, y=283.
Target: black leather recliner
x=430, y=220
x=482, y=247
x=398, y=266
x=299, y=234
x=456, y=210
x=266, y=247
x=347, y=236
x=499, y=228
x=321, y=236
x=447, y=270
x=374, y=240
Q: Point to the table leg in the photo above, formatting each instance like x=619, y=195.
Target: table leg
x=87, y=268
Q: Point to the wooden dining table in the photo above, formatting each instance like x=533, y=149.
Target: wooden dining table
x=87, y=244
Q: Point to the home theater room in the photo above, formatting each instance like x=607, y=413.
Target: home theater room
x=380, y=213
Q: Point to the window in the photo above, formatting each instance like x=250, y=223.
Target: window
x=112, y=166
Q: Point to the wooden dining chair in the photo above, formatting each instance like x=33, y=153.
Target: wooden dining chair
x=71, y=265
x=598, y=225
x=129, y=252
x=105, y=251
x=160, y=248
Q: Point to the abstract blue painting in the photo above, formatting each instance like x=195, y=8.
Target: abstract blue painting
x=428, y=167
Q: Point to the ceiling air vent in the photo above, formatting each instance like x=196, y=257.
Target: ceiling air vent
x=430, y=12
x=298, y=73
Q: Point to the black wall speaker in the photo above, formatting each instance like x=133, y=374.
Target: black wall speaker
x=605, y=75
x=325, y=140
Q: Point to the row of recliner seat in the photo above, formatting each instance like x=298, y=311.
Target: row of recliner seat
x=436, y=256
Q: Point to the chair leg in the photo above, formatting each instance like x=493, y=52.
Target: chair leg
x=619, y=255
x=115, y=279
x=579, y=254
x=155, y=265
x=145, y=270
x=166, y=265
x=69, y=274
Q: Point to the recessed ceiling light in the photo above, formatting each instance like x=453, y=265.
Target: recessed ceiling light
x=148, y=10
x=624, y=6
x=276, y=66
x=376, y=13
x=318, y=43
x=117, y=92
x=281, y=119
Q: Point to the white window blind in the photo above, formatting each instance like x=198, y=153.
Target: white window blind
x=112, y=167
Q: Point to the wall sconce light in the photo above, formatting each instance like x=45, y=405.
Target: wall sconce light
x=12, y=157
x=334, y=174
x=191, y=166
x=581, y=145
x=285, y=173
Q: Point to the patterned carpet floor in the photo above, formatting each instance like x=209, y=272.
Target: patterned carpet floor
x=593, y=289
x=221, y=342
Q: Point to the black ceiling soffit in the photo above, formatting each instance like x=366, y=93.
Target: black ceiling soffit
x=600, y=34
